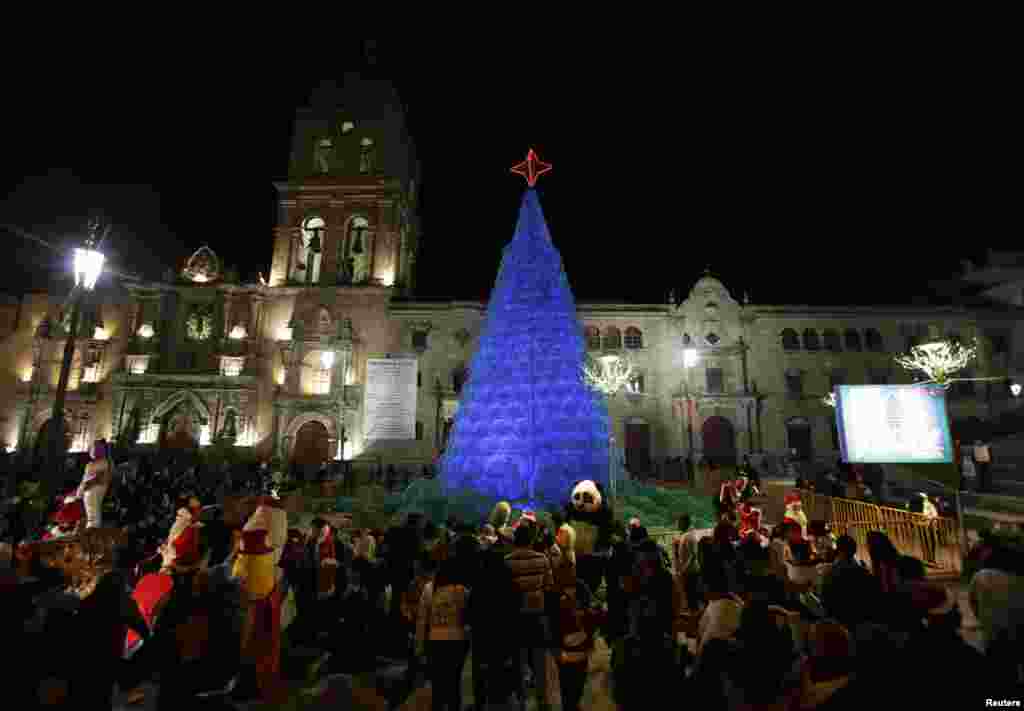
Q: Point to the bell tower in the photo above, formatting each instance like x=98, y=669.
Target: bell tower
x=347, y=211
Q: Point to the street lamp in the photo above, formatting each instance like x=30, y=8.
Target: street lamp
x=88, y=264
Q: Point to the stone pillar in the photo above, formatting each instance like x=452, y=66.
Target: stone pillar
x=227, y=298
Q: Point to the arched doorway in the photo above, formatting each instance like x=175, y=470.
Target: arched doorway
x=638, y=447
x=312, y=446
x=180, y=430
x=719, y=441
x=798, y=437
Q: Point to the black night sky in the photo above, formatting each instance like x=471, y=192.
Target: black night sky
x=817, y=186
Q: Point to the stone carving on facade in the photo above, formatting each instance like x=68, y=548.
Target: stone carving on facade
x=202, y=267
x=324, y=321
x=322, y=151
x=199, y=325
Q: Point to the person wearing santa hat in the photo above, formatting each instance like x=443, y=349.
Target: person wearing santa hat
x=795, y=513
x=180, y=552
x=95, y=483
x=325, y=559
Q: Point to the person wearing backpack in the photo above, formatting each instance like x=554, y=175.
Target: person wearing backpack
x=441, y=635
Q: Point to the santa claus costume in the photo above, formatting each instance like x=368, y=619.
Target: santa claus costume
x=795, y=513
x=326, y=563
x=95, y=483
x=180, y=552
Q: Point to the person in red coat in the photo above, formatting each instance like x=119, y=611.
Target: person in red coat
x=326, y=559
x=181, y=550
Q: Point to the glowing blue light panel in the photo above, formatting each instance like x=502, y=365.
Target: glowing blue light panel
x=527, y=426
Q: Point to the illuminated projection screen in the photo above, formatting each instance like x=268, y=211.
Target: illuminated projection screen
x=893, y=424
x=390, y=399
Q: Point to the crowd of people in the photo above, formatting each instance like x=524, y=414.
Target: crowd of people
x=737, y=616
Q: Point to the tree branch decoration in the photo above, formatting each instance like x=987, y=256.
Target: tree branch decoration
x=939, y=361
x=608, y=375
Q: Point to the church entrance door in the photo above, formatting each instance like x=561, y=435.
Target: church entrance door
x=312, y=447
x=638, y=449
x=179, y=431
x=719, y=441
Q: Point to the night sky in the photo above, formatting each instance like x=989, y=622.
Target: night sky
x=810, y=187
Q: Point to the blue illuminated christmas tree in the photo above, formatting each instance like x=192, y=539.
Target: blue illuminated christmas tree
x=528, y=427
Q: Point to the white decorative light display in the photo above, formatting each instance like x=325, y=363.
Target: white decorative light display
x=280, y=376
x=939, y=361
x=248, y=437
x=231, y=366
x=327, y=359
x=238, y=333
x=100, y=334
x=149, y=433
x=146, y=331
x=347, y=451
x=1015, y=389
x=91, y=374
x=829, y=400
x=608, y=374
x=26, y=376
x=204, y=436
x=285, y=333
x=689, y=357
x=137, y=365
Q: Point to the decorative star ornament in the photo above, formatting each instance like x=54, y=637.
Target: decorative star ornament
x=531, y=168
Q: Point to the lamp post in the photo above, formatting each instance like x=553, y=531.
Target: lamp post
x=88, y=264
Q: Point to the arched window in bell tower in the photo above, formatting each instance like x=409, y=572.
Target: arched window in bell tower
x=307, y=254
x=354, y=253
x=366, y=156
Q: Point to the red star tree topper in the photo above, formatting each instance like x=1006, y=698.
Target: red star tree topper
x=532, y=168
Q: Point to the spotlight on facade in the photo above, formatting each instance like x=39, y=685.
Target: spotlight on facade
x=100, y=334
x=327, y=359
x=237, y=333
x=88, y=265
x=689, y=357
x=146, y=331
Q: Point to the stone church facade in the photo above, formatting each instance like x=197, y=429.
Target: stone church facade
x=280, y=365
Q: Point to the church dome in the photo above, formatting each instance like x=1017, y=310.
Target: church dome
x=203, y=266
x=709, y=284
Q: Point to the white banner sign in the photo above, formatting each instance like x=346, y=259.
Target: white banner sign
x=390, y=399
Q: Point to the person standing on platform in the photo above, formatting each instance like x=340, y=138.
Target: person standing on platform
x=95, y=483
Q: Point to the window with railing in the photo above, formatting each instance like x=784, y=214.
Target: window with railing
x=634, y=338
x=790, y=340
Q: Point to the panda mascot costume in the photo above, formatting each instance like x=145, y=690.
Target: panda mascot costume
x=590, y=515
